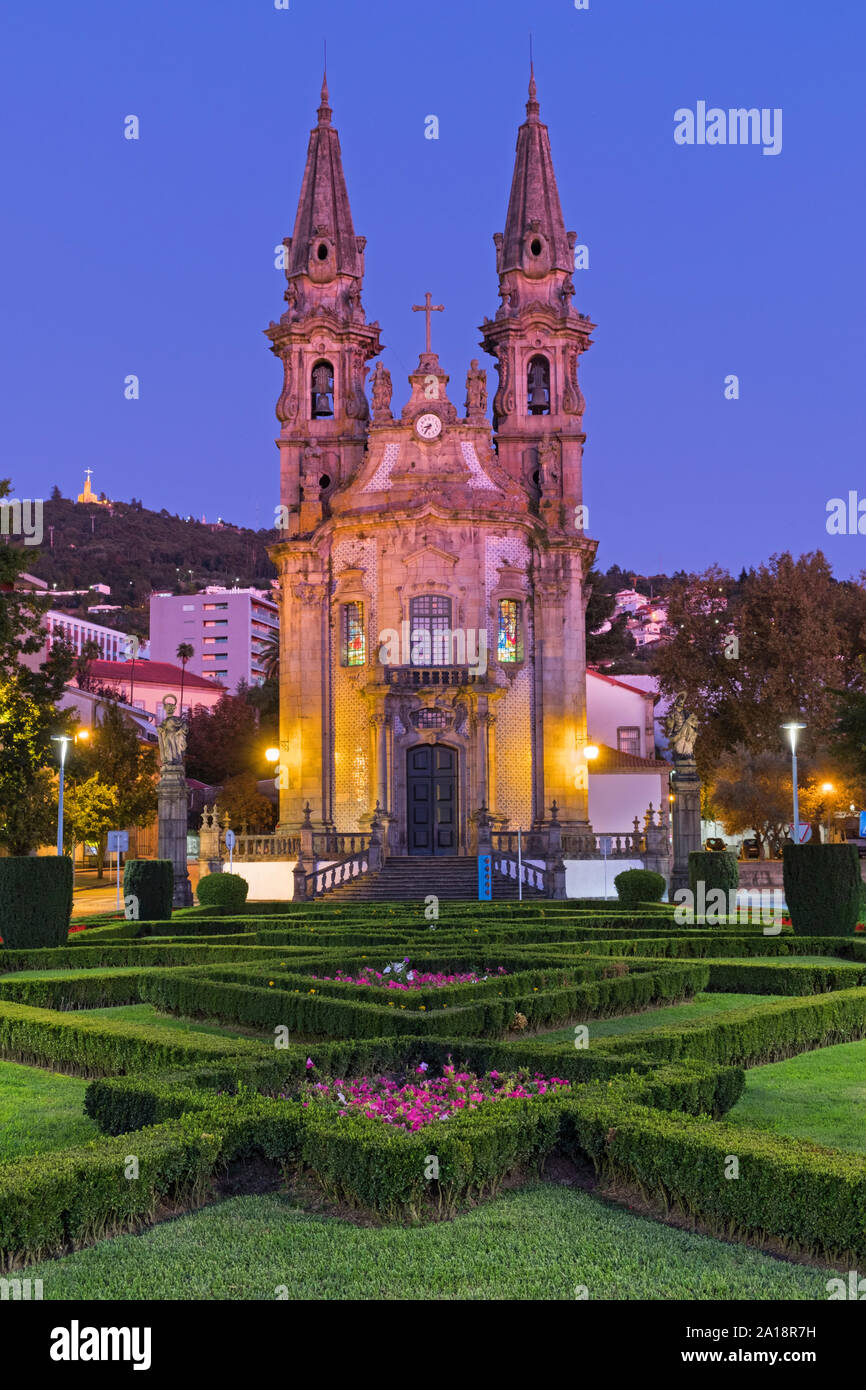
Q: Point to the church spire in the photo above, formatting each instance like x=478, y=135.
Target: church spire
x=324, y=237
x=535, y=234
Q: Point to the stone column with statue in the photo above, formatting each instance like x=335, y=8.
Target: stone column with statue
x=682, y=731
x=172, y=799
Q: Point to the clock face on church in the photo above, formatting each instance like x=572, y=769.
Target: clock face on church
x=428, y=426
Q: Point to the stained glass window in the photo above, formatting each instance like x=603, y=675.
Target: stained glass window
x=354, y=641
x=430, y=618
x=509, y=645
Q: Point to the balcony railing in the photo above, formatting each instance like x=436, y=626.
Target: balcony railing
x=414, y=677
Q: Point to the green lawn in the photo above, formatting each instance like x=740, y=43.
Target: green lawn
x=818, y=1095
x=539, y=1243
x=147, y=1013
x=41, y=1111
x=702, y=1006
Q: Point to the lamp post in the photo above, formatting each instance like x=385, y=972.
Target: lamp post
x=827, y=788
x=64, y=741
x=794, y=726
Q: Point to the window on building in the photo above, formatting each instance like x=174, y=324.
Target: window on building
x=430, y=625
x=209, y=607
x=322, y=391
x=538, y=386
x=353, y=640
x=432, y=719
x=509, y=644
x=628, y=740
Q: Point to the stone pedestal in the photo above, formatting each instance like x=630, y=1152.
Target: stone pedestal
x=686, y=818
x=172, y=802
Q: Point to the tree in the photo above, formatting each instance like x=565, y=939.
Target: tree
x=28, y=716
x=224, y=741
x=269, y=654
x=184, y=653
x=90, y=810
x=90, y=651
x=617, y=642
x=752, y=653
x=245, y=804
x=752, y=791
x=122, y=763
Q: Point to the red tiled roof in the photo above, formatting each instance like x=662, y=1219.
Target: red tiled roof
x=151, y=673
x=614, y=680
x=612, y=760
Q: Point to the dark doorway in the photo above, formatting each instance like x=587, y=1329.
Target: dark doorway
x=431, y=798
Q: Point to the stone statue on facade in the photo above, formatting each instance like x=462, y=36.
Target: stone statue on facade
x=476, y=391
x=382, y=392
x=681, y=728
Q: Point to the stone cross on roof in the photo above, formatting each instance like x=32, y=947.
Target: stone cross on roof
x=428, y=308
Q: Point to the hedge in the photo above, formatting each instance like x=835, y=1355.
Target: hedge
x=151, y=881
x=92, y=1047
x=638, y=886
x=222, y=890
x=35, y=900
x=787, y=1189
x=762, y=1033
x=822, y=888
x=318, y=1013
x=714, y=870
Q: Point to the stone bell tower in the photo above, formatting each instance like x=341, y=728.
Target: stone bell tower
x=537, y=338
x=323, y=342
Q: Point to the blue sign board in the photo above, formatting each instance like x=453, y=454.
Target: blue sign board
x=863, y=824
x=485, y=878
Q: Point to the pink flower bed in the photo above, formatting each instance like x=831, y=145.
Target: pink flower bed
x=412, y=1104
x=399, y=976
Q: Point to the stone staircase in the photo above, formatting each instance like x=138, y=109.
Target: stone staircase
x=412, y=879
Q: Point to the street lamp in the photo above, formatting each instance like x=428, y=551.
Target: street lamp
x=272, y=755
x=64, y=740
x=794, y=726
x=590, y=752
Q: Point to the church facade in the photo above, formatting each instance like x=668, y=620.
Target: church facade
x=432, y=558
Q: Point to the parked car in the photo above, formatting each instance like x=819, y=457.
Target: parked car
x=852, y=837
x=715, y=845
x=750, y=849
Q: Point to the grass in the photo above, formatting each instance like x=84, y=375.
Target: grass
x=818, y=1095
x=41, y=1111
x=702, y=1006
x=539, y=1243
x=148, y=1014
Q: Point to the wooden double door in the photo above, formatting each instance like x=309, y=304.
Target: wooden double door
x=431, y=800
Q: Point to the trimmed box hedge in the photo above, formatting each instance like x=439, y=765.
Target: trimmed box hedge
x=822, y=888
x=35, y=900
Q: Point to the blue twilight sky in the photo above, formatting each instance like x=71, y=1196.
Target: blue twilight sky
x=156, y=257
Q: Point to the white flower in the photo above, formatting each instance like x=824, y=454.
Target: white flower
x=410, y=974
x=387, y=970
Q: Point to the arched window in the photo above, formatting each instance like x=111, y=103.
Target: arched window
x=322, y=391
x=353, y=640
x=538, y=386
x=430, y=624
x=509, y=642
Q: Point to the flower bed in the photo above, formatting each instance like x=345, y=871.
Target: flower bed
x=399, y=976
x=423, y=1100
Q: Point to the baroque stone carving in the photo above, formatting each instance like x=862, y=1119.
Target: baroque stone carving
x=681, y=728
x=476, y=391
x=573, y=402
x=503, y=402
x=382, y=393
x=287, y=405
